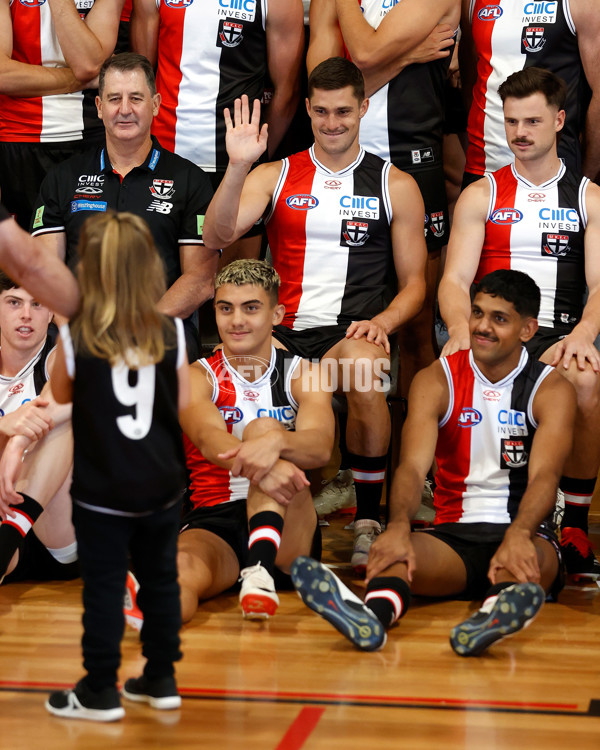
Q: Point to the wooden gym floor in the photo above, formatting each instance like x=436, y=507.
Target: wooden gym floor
x=294, y=682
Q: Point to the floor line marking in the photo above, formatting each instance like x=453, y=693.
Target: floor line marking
x=301, y=728
x=333, y=700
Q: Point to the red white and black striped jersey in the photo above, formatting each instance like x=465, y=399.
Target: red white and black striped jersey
x=209, y=53
x=329, y=234
x=539, y=229
x=404, y=122
x=44, y=119
x=484, y=440
x=28, y=383
x=240, y=401
x=511, y=35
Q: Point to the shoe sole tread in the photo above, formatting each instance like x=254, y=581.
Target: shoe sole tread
x=471, y=639
x=321, y=594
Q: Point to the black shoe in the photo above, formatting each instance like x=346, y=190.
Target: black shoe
x=326, y=595
x=83, y=703
x=577, y=553
x=159, y=693
x=514, y=609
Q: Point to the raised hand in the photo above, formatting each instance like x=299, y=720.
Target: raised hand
x=245, y=140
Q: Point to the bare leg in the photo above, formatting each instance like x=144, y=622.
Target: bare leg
x=207, y=567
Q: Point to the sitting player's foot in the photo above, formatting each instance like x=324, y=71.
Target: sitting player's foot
x=336, y=494
x=160, y=693
x=82, y=703
x=577, y=553
x=326, y=595
x=133, y=614
x=365, y=533
x=257, y=593
x=514, y=609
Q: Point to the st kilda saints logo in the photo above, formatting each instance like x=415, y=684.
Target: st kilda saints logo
x=230, y=34
x=354, y=233
x=555, y=245
x=513, y=454
x=162, y=189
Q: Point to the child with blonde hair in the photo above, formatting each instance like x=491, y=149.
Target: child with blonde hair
x=124, y=366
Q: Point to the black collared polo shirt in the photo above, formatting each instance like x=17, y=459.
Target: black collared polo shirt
x=168, y=191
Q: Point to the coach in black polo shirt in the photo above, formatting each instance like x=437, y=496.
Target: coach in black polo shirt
x=132, y=172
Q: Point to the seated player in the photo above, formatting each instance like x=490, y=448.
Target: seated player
x=258, y=417
x=26, y=354
x=343, y=226
x=500, y=424
x=537, y=216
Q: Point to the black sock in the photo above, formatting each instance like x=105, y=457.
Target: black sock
x=14, y=530
x=578, y=498
x=345, y=460
x=368, y=473
x=490, y=597
x=388, y=597
x=266, y=528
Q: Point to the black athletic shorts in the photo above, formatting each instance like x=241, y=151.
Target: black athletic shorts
x=313, y=343
x=229, y=522
x=466, y=541
x=545, y=338
x=37, y=564
x=455, y=113
x=432, y=184
x=23, y=166
x=469, y=178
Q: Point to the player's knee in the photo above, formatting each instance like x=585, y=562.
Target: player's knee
x=365, y=379
x=189, y=603
x=587, y=387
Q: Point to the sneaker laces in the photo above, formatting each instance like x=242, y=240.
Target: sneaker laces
x=576, y=538
x=262, y=578
x=337, y=485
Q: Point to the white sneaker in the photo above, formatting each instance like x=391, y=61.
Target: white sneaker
x=559, y=507
x=257, y=593
x=425, y=515
x=365, y=533
x=336, y=493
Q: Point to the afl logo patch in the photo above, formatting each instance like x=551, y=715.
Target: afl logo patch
x=231, y=414
x=32, y=3
x=505, y=216
x=469, y=417
x=178, y=4
x=302, y=202
x=490, y=13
